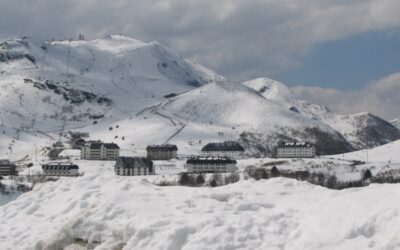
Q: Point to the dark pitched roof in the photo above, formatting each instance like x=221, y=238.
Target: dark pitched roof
x=223, y=146
x=111, y=146
x=67, y=165
x=98, y=144
x=130, y=162
x=169, y=147
x=210, y=160
x=80, y=141
x=95, y=145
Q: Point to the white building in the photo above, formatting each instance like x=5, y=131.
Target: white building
x=162, y=152
x=295, y=150
x=96, y=150
x=211, y=165
x=229, y=149
x=134, y=166
x=60, y=169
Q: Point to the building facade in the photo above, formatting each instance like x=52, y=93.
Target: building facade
x=131, y=166
x=7, y=168
x=100, y=151
x=295, y=150
x=60, y=169
x=162, y=152
x=210, y=165
x=229, y=149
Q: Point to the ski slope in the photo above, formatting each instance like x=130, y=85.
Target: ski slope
x=383, y=154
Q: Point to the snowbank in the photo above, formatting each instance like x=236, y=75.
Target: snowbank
x=109, y=212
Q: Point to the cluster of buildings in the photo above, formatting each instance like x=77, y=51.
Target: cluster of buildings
x=214, y=158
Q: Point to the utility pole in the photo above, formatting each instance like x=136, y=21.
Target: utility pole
x=36, y=154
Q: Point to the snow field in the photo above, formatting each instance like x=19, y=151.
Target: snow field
x=111, y=212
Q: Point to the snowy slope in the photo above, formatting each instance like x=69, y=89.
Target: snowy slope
x=260, y=123
x=48, y=84
x=386, y=153
x=396, y=123
x=362, y=130
x=109, y=212
x=124, y=70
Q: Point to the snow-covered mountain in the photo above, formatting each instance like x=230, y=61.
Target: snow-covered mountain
x=153, y=95
x=396, y=123
x=114, y=72
x=362, y=130
x=46, y=84
x=258, y=122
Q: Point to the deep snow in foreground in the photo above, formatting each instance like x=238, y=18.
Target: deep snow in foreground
x=113, y=212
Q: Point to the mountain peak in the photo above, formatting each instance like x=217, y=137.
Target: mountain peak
x=396, y=123
x=273, y=90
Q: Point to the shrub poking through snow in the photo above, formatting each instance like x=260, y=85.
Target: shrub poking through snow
x=366, y=175
x=275, y=172
x=200, y=180
x=187, y=180
x=216, y=180
x=232, y=178
x=213, y=183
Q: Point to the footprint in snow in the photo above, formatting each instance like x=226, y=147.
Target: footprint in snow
x=253, y=207
x=32, y=209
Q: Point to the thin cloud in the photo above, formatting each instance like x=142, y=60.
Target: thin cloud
x=381, y=97
x=241, y=39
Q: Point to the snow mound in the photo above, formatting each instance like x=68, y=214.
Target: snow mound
x=109, y=212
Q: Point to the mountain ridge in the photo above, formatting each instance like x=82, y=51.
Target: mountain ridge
x=362, y=130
